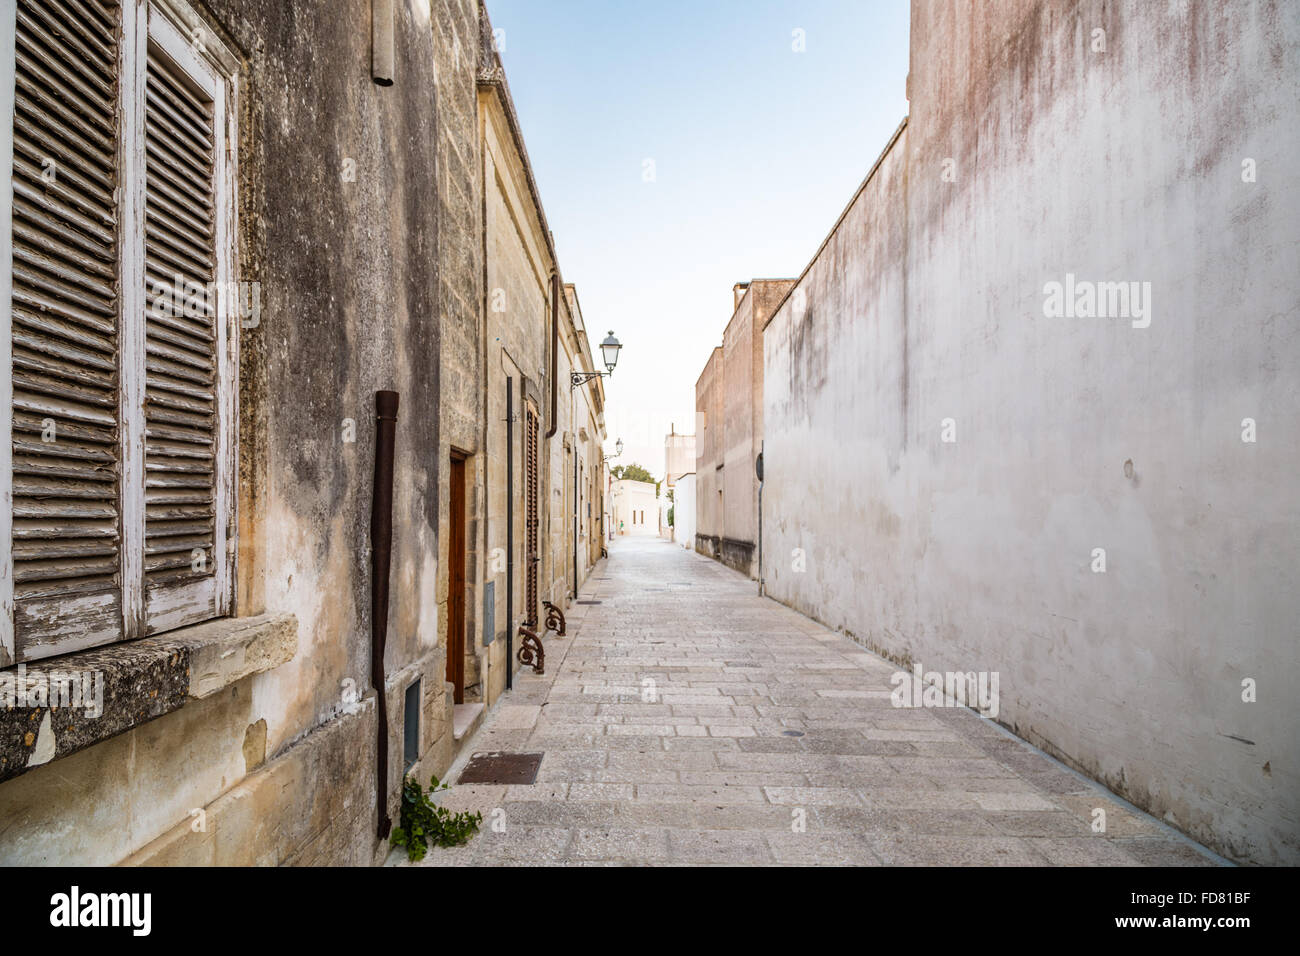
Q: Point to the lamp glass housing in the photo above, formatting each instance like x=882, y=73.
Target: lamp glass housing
x=609, y=350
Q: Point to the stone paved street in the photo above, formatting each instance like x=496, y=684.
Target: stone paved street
x=761, y=718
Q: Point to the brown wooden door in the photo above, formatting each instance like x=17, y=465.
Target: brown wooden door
x=532, y=518
x=456, y=556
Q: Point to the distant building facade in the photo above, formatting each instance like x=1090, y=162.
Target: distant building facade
x=635, y=508
x=679, y=456
x=684, y=511
x=729, y=429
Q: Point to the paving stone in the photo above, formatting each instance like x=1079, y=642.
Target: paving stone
x=769, y=741
x=559, y=814
x=718, y=846
x=813, y=796
x=897, y=821
x=518, y=716
x=670, y=815
x=914, y=798
x=733, y=778
x=524, y=844
x=698, y=796
x=687, y=744
x=730, y=730
x=638, y=844
x=601, y=792
x=1120, y=822
x=537, y=791
x=1155, y=851
x=1004, y=784
x=901, y=850
x=470, y=798
x=1057, y=823
x=821, y=849
x=750, y=816
x=1013, y=801
x=1080, y=851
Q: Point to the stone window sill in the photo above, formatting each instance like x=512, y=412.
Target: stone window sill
x=111, y=689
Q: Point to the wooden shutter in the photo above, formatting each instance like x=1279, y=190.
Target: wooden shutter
x=63, y=329
x=532, y=515
x=183, y=543
x=116, y=419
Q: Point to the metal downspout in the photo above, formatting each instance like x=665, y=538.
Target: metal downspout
x=510, y=533
x=381, y=544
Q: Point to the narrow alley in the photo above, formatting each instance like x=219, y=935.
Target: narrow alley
x=685, y=720
x=497, y=433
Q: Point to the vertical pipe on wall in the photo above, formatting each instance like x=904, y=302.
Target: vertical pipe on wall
x=510, y=533
x=381, y=543
x=381, y=42
x=555, y=342
x=576, y=500
x=760, y=518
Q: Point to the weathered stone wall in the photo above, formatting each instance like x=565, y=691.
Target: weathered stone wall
x=732, y=386
x=559, y=518
x=588, y=428
x=395, y=233
x=1030, y=154
x=741, y=391
x=709, y=445
x=518, y=319
x=340, y=228
x=456, y=36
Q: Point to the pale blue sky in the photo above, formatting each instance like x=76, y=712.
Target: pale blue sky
x=756, y=151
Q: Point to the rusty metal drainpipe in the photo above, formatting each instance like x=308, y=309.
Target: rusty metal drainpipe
x=381, y=544
x=382, y=56
x=762, y=585
x=510, y=533
x=577, y=496
x=555, y=342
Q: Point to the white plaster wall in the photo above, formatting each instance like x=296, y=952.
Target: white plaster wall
x=684, y=511
x=1072, y=434
x=639, y=496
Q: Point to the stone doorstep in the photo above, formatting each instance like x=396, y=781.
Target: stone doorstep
x=466, y=718
x=136, y=681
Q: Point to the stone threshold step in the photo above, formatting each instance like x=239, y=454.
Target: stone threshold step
x=464, y=717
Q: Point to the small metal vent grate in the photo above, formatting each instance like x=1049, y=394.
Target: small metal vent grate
x=501, y=768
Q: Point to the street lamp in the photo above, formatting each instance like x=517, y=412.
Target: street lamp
x=618, y=450
x=609, y=351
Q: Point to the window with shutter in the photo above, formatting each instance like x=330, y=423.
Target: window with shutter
x=183, y=454
x=65, y=509
x=117, y=407
x=532, y=515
